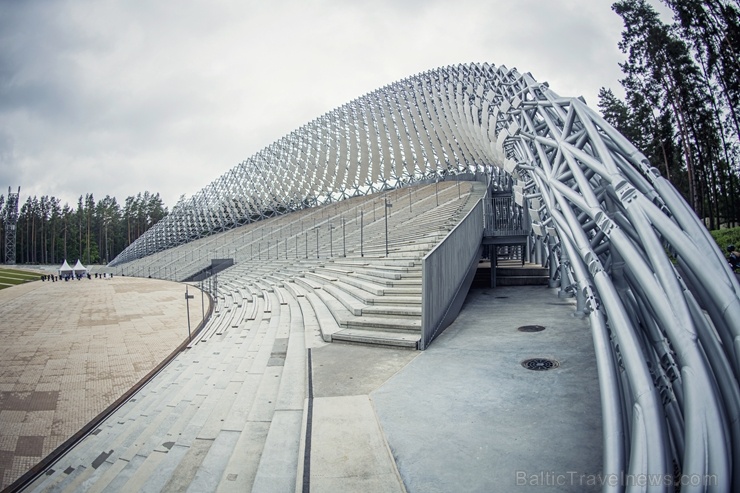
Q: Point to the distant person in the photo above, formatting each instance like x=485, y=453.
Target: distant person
x=734, y=258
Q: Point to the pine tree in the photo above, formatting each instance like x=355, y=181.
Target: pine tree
x=668, y=92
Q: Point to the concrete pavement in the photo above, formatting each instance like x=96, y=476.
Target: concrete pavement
x=465, y=415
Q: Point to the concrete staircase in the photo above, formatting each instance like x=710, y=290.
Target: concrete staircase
x=511, y=273
x=362, y=285
x=226, y=415
x=362, y=300
x=229, y=413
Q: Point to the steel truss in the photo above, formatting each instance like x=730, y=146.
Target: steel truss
x=10, y=221
x=664, y=308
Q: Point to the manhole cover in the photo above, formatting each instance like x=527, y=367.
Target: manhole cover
x=530, y=328
x=540, y=364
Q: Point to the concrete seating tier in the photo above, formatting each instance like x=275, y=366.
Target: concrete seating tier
x=295, y=235
x=337, y=255
x=228, y=413
x=222, y=416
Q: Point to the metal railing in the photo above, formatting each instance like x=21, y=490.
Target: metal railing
x=504, y=217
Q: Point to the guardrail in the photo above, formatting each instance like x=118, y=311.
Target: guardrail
x=446, y=271
x=503, y=217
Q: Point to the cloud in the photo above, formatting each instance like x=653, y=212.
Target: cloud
x=117, y=97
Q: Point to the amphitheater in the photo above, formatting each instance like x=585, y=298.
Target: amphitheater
x=338, y=351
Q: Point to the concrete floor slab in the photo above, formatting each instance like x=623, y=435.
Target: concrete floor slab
x=348, y=451
x=467, y=416
x=346, y=369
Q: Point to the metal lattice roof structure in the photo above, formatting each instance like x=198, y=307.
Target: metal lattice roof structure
x=664, y=307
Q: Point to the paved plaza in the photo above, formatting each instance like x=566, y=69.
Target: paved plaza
x=71, y=349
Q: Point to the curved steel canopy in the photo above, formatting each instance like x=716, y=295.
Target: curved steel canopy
x=664, y=307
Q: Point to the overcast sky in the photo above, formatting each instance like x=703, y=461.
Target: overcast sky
x=116, y=97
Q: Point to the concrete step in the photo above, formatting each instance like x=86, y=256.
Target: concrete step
x=370, y=299
x=392, y=311
x=377, y=338
x=325, y=319
x=333, y=315
x=385, y=324
x=390, y=282
x=352, y=304
x=521, y=271
x=370, y=287
x=218, y=399
x=522, y=281
x=204, y=465
x=118, y=458
x=280, y=456
x=311, y=326
x=388, y=263
x=116, y=434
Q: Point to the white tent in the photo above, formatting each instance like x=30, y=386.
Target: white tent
x=79, y=269
x=65, y=269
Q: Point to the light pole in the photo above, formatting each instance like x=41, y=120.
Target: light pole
x=188, y=297
x=106, y=240
x=202, y=302
x=387, y=206
x=362, y=242
x=331, y=240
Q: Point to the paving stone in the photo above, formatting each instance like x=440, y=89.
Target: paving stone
x=73, y=348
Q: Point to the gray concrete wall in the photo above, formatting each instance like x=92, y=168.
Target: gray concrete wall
x=444, y=269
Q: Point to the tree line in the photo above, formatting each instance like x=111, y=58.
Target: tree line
x=94, y=231
x=681, y=109
x=682, y=98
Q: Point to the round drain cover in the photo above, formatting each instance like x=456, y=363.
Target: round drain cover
x=540, y=364
x=530, y=328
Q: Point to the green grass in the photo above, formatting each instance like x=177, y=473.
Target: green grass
x=11, y=277
x=724, y=237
